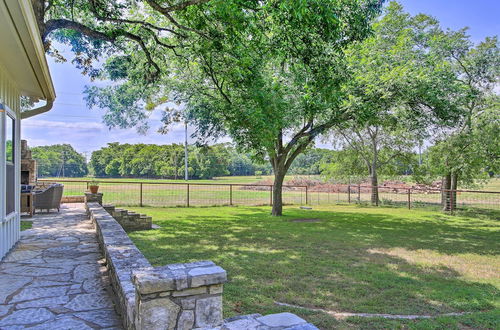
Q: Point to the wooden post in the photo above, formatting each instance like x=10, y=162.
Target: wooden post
x=271, y=195
x=409, y=199
x=349, y=194
x=307, y=196
x=140, y=194
x=359, y=192
x=452, y=200
x=187, y=191
x=230, y=194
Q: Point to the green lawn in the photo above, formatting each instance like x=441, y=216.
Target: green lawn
x=26, y=225
x=355, y=259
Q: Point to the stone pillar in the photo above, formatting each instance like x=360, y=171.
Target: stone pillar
x=179, y=296
x=93, y=198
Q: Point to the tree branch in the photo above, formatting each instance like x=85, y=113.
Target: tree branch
x=94, y=7
x=146, y=51
x=209, y=70
x=165, y=11
x=185, y=4
x=303, y=132
x=55, y=24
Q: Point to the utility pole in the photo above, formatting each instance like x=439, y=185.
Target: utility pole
x=186, y=174
x=63, y=162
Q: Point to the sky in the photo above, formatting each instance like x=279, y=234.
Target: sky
x=70, y=121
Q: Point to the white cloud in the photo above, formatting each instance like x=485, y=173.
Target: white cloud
x=80, y=125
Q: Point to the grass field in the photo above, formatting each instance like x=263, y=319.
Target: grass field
x=354, y=259
x=26, y=225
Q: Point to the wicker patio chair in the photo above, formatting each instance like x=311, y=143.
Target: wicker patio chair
x=49, y=198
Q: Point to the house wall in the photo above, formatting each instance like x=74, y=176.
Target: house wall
x=9, y=227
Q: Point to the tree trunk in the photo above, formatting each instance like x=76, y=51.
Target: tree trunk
x=279, y=177
x=445, y=192
x=374, y=183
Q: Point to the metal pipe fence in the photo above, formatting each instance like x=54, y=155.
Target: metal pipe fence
x=133, y=193
x=137, y=193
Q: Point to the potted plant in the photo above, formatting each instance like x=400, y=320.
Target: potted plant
x=94, y=186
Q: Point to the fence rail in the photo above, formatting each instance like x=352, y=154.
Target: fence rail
x=136, y=193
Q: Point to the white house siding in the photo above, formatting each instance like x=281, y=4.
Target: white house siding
x=9, y=228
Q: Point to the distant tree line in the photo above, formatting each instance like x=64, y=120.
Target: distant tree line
x=204, y=162
x=59, y=160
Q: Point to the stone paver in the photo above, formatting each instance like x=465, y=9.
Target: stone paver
x=54, y=278
x=280, y=321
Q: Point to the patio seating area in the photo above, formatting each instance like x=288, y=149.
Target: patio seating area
x=49, y=198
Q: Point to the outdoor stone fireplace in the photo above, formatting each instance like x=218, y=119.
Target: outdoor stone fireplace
x=28, y=165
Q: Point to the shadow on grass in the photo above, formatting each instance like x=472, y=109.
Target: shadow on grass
x=334, y=264
x=479, y=213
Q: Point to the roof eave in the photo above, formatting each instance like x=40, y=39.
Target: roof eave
x=42, y=71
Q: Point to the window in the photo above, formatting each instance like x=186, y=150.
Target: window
x=10, y=172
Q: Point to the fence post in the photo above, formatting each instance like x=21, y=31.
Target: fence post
x=187, y=191
x=349, y=194
x=140, y=194
x=87, y=185
x=230, y=194
x=409, y=199
x=271, y=195
x=307, y=196
x=359, y=193
x=452, y=200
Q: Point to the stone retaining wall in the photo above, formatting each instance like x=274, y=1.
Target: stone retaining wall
x=179, y=296
x=129, y=220
x=122, y=256
x=173, y=297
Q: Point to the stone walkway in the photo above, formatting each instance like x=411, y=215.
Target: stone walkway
x=54, y=278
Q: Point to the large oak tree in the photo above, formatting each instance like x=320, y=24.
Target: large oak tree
x=268, y=74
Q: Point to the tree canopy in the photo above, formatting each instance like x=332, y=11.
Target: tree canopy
x=398, y=87
x=59, y=160
x=274, y=75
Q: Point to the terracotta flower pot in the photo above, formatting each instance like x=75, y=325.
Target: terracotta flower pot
x=94, y=189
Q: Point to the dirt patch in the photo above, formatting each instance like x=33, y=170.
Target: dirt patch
x=317, y=185
x=306, y=220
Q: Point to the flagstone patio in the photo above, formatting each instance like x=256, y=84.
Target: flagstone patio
x=54, y=277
